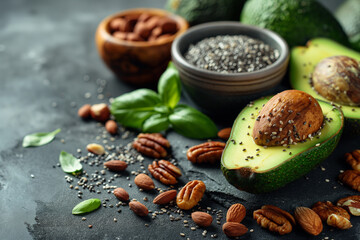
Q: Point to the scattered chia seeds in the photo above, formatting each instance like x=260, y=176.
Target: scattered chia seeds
x=231, y=54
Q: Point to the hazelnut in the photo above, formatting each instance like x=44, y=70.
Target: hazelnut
x=100, y=112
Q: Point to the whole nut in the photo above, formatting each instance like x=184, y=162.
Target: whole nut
x=338, y=221
x=142, y=30
x=100, y=112
x=121, y=194
x=208, y=152
x=353, y=159
x=152, y=22
x=152, y=145
x=164, y=171
x=351, y=178
x=138, y=208
x=224, y=133
x=308, y=220
x=288, y=216
x=84, y=111
x=236, y=213
x=325, y=209
x=273, y=221
x=134, y=37
x=143, y=181
x=116, y=165
x=234, y=229
x=95, y=148
x=117, y=24
x=165, y=197
x=202, y=219
x=190, y=194
x=288, y=117
x=120, y=35
x=168, y=25
x=111, y=127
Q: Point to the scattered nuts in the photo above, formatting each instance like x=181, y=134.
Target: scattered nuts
x=234, y=229
x=116, y=165
x=208, y=152
x=164, y=171
x=351, y=178
x=202, y=219
x=338, y=221
x=190, y=194
x=111, y=127
x=84, y=111
x=224, y=133
x=151, y=144
x=121, y=194
x=143, y=181
x=308, y=220
x=100, y=112
x=236, y=213
x=95, y=148
x=353, y=159
x=138, y=208
x=273, y=221
x=165, y=197
x=325, y=209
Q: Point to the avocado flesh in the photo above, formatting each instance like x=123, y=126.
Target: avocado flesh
x=273, y=167
x=303, y=61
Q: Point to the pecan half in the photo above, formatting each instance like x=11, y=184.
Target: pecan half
x=353, y=159
x=288, y=216
x=190, y=194
x=273, y=221
x=351, y=204
x=208, y=152
x=325, y=209
x=164, y=171
x=338, y=221
x=151, y=144
x=351, y=178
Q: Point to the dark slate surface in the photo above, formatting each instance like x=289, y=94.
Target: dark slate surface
x=48, y=63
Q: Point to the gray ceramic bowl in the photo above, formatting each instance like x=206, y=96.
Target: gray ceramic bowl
x=228, y=92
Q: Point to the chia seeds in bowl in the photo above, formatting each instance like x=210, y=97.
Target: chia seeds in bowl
x=231, y=54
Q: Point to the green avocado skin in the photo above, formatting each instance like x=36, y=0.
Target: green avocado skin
x=279, y=177
x=296, y=21
x=202, y=11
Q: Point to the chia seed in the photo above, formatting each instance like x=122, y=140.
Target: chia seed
x=231, y=54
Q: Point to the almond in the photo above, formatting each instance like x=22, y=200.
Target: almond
x=236, y=213
x=116, y=165
x=234, y=229
x=165, y=197
x=308, y=220
x=143, y=181
x=95, y=148
x=100, y=112
x=202, y=219
x=224, y=133
x=121, y=194
x=138, y=208
x=84, y=111
x=111, y=127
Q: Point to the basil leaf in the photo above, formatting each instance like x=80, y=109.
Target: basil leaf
x=156, y=123
x=132, y=109
x=191, y=123
x=39, y=139
x=86, y=206
x=169, y=86
x=69, y=163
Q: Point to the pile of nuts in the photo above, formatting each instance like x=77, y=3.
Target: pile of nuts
x=352, y=177
x=142, y=27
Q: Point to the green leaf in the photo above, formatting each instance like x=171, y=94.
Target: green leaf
x=169, y=86
x=156, y=123
x=69, y=163
x=39, y=139
x=86, y=206
x=191, y=123
x=132, y=109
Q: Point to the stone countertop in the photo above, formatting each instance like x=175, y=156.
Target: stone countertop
x=49, y=68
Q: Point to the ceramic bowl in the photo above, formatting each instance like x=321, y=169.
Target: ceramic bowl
x=140, y=63
x=217, y=92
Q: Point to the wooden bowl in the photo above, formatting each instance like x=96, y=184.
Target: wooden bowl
x=138, y=63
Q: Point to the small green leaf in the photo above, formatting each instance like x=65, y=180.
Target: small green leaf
x=156, y=123
x=69, y=163
x=86, y=206
x=39, y=139
x=169, y=86
x=132, y=109
x=191, y=123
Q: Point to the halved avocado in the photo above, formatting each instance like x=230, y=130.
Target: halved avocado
x=258, y=169
x=303, y=61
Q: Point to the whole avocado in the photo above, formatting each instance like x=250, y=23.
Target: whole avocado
x=297, y=21
x=201, y=11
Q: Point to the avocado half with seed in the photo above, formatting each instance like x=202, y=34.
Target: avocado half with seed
x=257, y=169
x=303, y=61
